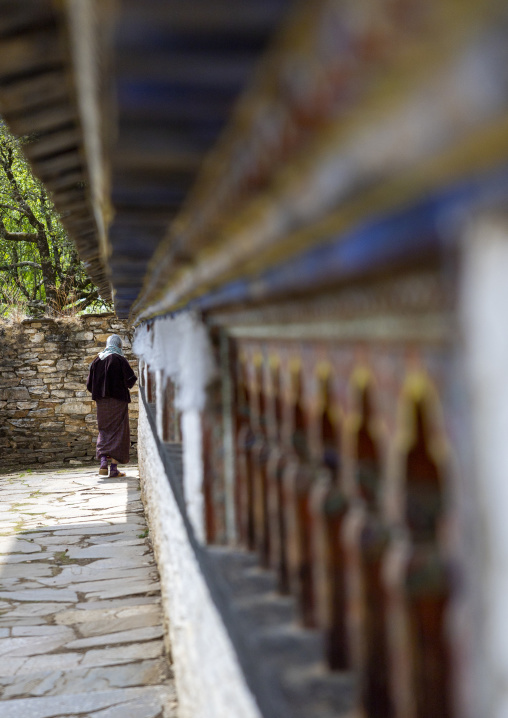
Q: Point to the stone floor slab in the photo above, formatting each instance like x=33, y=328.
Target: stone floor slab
x=150, y=672
x=80, y=617
x=33, y=621
x=21, y=558
x=8, y=545
x=36, y=609
x=31, y=645
x=40, y=594
x=128, y=588
x=147, y=702
x=74, y=575
x=129, y=636
x=123, y=654
x=99, y=622
x=75, y=615
x=112, y=602
x=19, y=571
x=145, y=560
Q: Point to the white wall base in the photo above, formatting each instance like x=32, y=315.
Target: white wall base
x=209, y=681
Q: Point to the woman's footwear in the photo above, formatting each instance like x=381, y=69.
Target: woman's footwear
x=114, y=473
x=103, y=471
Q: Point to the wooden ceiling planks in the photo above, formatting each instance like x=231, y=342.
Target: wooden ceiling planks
x=37, y=98
x=179, y=69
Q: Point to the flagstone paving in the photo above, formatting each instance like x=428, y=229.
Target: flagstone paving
x=80, y=618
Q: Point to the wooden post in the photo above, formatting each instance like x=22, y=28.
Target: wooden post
x=276, y=463
x=420, y=592
x=244, y=443
x=150, y=385
x=208, y=478
x=369, y=631
x=169, y=430
x=329, y=511
x=297, y=480
x=260, y=452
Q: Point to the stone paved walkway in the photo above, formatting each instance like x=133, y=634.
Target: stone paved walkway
x=80, y=619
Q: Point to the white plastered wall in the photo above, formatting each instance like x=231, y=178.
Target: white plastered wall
x=178, y=348
x=484, y=317
x=209, y=681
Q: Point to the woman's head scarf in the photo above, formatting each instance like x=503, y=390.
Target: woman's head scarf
x=113, y=346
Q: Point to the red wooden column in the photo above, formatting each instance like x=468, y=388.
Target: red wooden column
x=214, y=489
x=244, y=444
x=150, y=385
x=260, y=453
x=297, y=480
x=420, y=592
x=169, y=414
x=208, y=478
x=369, y=630
x=329, y=512
x=276, y=463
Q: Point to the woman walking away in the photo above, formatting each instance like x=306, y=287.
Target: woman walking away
x=109, y=379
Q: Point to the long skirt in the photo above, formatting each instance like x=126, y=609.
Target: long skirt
x=114, y=432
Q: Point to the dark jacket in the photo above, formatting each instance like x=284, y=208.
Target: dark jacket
x=111, y=376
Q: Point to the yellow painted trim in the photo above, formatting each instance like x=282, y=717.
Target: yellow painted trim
x=418, y=387
x=295, y=365
x=274, y=361
x=323, y=370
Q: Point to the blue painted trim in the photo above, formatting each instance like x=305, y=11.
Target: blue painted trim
x=379, y=244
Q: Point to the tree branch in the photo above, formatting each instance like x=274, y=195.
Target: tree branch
x=14, y=209
x=17, y=236
x=21, y=286
x=8, y=267
x=18, y=196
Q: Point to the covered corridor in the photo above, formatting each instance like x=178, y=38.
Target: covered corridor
x=299, y=209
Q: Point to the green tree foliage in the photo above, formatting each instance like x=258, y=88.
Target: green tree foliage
x=40, y=270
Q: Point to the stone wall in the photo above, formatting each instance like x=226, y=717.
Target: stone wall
x=46, y=413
